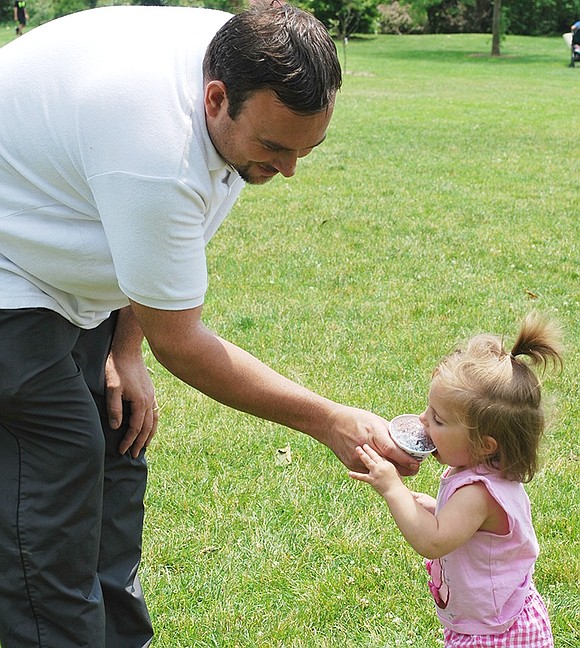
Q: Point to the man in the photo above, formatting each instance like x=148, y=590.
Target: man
x=20, y=16
x=124, y=155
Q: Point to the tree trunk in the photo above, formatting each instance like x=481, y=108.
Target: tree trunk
x=496, y=28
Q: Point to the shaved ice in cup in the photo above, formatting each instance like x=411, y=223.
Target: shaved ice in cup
x=408, y=433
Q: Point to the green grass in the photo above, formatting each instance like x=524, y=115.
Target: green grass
x=7, y=33
x=443, y=203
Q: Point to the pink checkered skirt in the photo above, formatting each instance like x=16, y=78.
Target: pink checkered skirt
x=530, y=630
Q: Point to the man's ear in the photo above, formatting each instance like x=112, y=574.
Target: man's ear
x=489, y=445
x=215, y=98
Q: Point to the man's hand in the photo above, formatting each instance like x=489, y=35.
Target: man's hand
x=127, y=380
x=352, y=428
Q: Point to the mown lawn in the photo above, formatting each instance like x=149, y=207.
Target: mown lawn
x=443, y=203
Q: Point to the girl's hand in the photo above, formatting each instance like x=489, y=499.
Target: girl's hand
x=426, y=501
x=381, y=475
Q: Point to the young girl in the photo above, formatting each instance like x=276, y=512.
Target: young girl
x=485, y=418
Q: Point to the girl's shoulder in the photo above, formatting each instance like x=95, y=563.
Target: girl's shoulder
x=476, y=473
x=500, y=495
x=500, y=488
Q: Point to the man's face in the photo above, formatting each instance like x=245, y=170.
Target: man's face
x=266, y=138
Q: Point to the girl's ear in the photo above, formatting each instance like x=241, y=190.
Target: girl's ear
x=489, y=445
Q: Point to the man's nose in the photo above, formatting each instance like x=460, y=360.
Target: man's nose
x=285, y=163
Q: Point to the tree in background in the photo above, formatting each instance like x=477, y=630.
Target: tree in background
x=522, y=17
x=456, y=16
x=496, y=28
x=540, y=17
x=346, y=17
x=400, y=18
x=42, y=11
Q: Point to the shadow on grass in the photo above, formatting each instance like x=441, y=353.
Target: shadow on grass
x=456, y=56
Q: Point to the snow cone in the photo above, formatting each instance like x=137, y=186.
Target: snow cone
x=408, y=433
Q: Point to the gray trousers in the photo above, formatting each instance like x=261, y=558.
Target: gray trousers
x=71, y=507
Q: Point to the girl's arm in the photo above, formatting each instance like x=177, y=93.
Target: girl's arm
x=430, y=535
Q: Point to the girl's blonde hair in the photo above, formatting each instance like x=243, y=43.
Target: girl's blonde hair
x=496, y=393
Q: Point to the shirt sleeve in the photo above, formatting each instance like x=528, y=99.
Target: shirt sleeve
x=154, y=228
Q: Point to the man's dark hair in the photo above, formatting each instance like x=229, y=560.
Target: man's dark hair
x=283, y=49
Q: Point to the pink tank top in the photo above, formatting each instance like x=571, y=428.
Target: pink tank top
x=481, y=587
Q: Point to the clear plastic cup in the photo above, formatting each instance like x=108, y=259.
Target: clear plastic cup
x=408, y=433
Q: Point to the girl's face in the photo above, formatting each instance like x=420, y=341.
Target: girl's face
x=444, y=428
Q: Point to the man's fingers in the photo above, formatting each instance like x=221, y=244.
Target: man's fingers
x=151, y=434
x=404, y=470
x=114, y=407
x=140, y=432
x=370, y=457
x=405, y=464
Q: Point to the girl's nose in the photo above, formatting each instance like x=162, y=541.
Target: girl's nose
x=423, y=418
